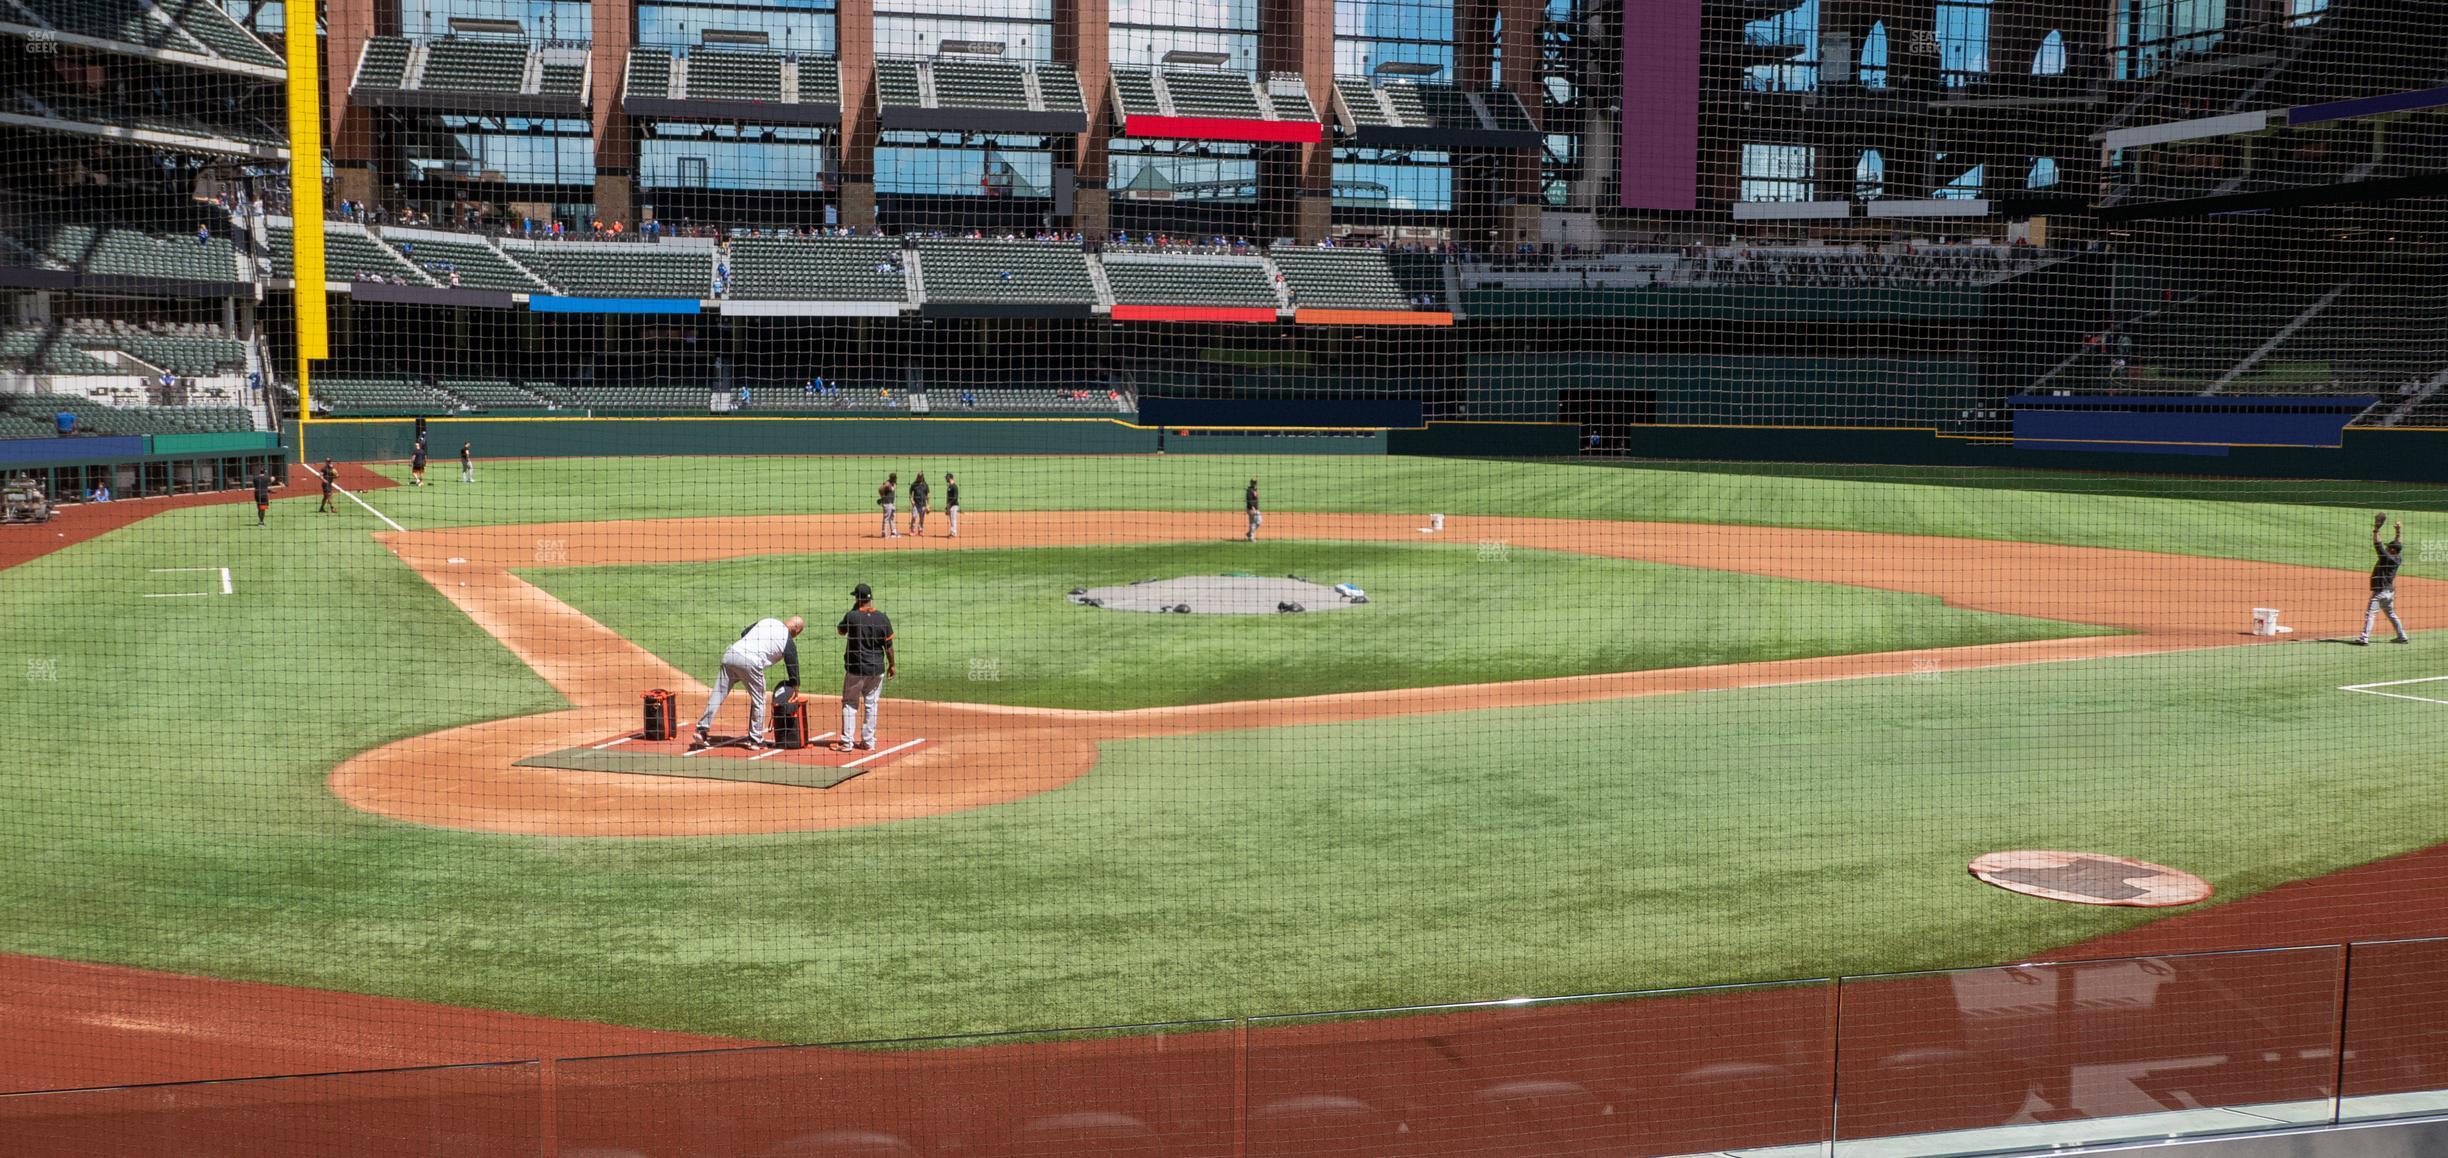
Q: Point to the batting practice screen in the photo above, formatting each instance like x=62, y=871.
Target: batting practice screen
x=1650, y=578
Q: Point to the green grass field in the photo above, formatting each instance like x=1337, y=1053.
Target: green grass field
x=1439, y=614
x=169, y=808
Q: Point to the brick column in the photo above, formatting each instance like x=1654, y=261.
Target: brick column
x=1298, y=36
x=616, y=150
x=348, y=24
x=1083, y=39
x=854, y=39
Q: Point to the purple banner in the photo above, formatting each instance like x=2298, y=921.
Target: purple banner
x=1661, y=104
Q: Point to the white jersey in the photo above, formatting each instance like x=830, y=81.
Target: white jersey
x=764, y=644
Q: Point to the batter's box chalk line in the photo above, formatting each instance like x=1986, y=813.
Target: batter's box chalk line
x=2373, y=689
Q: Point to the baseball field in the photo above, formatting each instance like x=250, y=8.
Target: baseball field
x=1614, y=727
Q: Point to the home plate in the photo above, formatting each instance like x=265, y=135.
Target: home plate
x=814, y=766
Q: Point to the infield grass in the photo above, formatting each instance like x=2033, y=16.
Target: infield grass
x=995, y=627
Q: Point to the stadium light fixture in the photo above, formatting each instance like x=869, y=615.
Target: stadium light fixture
x=969, y=48
x=1406, y=68
x=478, y=26
x=733, y=36
x=1197, y=58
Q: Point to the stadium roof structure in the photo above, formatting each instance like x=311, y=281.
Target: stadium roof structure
x=1404, y=114
x=1206, y=104
x=472, y=74
x=978, y=93
x=715, y=82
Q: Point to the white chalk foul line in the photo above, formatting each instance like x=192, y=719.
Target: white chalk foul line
x=181, y=570
x=611, y=744
x=771, y=752
x=885, y=752
x=2366, y=689
x=352, y=497
x=179, y=595
x=226, y=589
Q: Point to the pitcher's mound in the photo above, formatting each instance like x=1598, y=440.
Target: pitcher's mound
x=1217, y=595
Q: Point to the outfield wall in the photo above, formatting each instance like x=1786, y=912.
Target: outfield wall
x=2381, y=455
x=385, y=439
x=359, y=440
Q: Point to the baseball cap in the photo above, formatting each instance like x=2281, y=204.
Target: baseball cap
x=861, y=591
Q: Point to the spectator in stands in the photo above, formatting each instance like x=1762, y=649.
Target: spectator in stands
x=66, y=420
x=203, y=235
x=968, y=400
x=100, y=492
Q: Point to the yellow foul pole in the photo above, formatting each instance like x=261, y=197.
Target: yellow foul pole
x=306, y=199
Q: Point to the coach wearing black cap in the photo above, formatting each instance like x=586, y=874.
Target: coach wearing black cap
x=867, y=661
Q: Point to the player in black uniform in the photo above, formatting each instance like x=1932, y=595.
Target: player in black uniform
x=2384, y=582
x=919, y=493
x=416, y=464
x=330, y=480
x=952, y=503
x=263, y=494
x=1250, y=502
x=867, y=661
x=467, y=464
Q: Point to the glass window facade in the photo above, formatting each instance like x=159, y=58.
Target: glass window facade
x=1776, y=172
x=1025, y=28
x=2149, y=35
x=788, y=25
x=543, y=19
x=1369, y=33
x=1795, y=28
x=1962, y=28
x=1143, y=31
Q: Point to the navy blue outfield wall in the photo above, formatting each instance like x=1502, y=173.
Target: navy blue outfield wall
x=2381, y=455
x=370, y=439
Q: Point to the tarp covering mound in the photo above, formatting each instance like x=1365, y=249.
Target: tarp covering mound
x=1217, y=595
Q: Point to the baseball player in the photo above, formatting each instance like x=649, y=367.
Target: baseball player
x=919, y=493
x=467, y=464
x=766, y=642
x=2384, y=582
x=1257, y=519
x=330, y=481
x=867, y=661
x=263, y=495
x=416, y=464
x=952, y=503
x=884, y=499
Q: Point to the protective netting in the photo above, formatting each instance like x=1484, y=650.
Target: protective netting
x=560, y=553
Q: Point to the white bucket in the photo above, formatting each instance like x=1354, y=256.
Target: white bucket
x=2265, y=622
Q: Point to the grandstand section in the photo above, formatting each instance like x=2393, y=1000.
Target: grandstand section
x=987, y=96
x=817, y=275
x=629, y=270
x=1211, y=105
x=472, y=74
x=1004, y=278
x=1164, y=287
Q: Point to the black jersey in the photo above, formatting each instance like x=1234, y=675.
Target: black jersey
x=2384, y=572
x=868, y=633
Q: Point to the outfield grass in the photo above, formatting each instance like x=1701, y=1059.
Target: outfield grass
x=1439, y=614
x=2327, y=524
x=167, y=806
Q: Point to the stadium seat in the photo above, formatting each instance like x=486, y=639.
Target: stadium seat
x=619, y=269
x=1188, y=280
x=734, y=75
x=478, y=264
x=1338, y=279
x=852, y=269
x=1010, y=271
x=455, y=64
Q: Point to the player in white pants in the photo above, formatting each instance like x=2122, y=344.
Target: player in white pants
x=952, y=502
x=884, y=499
x=867, y=661
x=765, y=643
